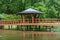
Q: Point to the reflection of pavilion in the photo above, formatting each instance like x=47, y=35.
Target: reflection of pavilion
x=28, y=18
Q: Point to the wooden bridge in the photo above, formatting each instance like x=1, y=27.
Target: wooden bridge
x=38, y=22
x=32, y=20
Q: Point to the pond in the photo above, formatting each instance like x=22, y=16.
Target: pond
x=28, y=35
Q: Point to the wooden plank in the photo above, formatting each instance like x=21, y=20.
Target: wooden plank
x=39, y=24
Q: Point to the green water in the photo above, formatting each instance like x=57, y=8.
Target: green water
x=17, y=35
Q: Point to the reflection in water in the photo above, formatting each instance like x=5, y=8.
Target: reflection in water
x=31, y=35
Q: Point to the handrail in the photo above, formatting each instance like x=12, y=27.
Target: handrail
x=29, y=21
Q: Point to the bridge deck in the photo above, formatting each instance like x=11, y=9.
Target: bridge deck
x=38, y=24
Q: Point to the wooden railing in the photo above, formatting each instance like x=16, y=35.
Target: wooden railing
x=42, y=20
x=29, y=21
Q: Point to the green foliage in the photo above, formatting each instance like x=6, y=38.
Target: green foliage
x=10, y=16
x=48, y=8
x=51, y=8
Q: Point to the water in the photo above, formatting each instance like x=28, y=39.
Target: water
x=28, y=35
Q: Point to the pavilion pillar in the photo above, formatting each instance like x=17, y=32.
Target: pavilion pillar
x=23, y=20
x=32, y=18
x=39, y=19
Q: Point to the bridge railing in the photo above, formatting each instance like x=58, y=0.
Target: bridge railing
x=29, y=21
x=42, y=20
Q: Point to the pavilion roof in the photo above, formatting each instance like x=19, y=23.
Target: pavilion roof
x=30, y=11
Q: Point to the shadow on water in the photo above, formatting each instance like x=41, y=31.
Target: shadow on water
x=25, y=35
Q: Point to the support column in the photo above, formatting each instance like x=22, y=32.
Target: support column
x=38, y=19
x=32, y=18
x=10, y=27
x=23, y=19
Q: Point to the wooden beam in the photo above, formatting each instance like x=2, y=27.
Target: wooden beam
x=39, y=24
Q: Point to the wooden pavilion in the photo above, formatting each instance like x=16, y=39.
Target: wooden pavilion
x=32, y=13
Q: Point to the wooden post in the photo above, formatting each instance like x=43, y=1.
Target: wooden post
x=23, y=19
x=32, y=18
x=39, y=20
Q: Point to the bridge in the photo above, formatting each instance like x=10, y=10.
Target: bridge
x=38, y=22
